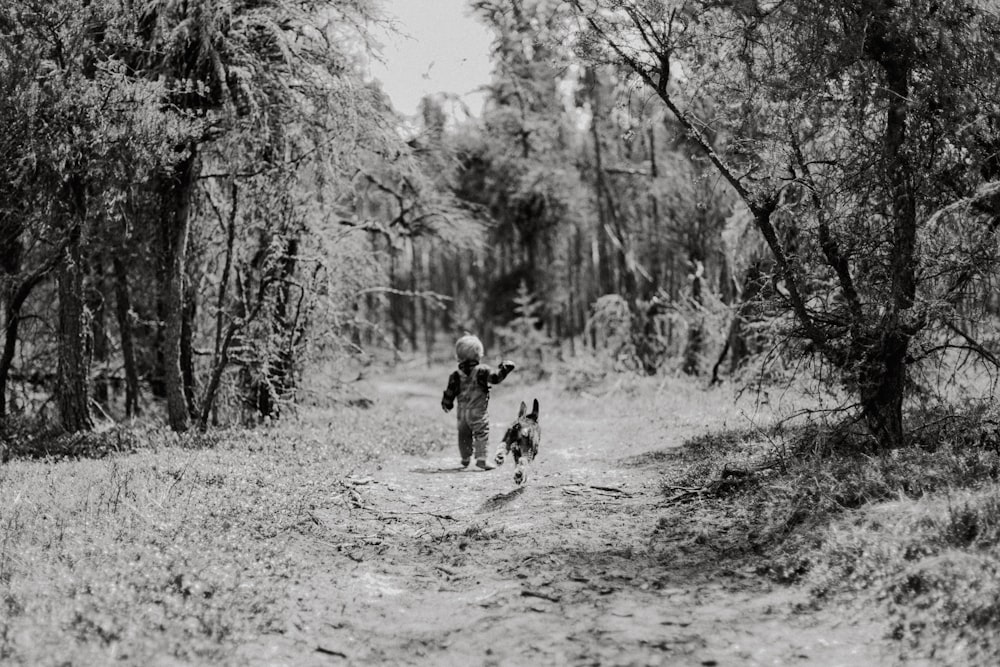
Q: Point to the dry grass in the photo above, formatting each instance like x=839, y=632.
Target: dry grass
x=159, y=546
x=179, y=549
x=914, y=531
x=178, y=546
x=934, y=563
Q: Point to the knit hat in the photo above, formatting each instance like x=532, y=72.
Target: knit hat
x=469, y=348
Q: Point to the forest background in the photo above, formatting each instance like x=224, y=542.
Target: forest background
x=203, y=200
x=212, y=220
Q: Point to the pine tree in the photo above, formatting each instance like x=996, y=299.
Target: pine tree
x=523, y=337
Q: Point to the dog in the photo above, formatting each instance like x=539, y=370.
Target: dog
x=521, y=440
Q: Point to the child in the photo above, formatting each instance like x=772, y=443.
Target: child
x=470, y=384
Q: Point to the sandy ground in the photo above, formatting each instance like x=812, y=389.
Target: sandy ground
x=429, y=564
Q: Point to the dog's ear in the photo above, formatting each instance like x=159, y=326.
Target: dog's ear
x=524, y=408
x=534, y=410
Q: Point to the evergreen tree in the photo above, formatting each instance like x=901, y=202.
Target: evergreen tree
x=856, y=134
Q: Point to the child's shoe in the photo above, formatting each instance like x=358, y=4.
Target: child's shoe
x=465, y=462
x=481, y=463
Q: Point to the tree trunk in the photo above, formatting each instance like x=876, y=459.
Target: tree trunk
x=227, y=268
x=735, y=338
x=414, y=301
x=609, y=215
x=12, y=321
x=883, y=380
x=696, y=333
x=187, y=349
x=395, y=307
x=220, y=356
x=655, y=221
x=279, y=379
x=73, y=366
x=123, y=311
x=221, y=361
x=430, y=313
x=884, y=370
x=157, y=374
x=99, y=333
x=569, y=307
x=722, y=355
x=182, y=189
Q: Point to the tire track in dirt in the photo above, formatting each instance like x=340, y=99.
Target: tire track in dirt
x=427, y=563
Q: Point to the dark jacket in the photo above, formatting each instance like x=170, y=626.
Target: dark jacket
x=470, y=385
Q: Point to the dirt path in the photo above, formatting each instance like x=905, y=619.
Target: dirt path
x=431, y=564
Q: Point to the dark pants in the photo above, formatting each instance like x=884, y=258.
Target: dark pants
x=473, y=433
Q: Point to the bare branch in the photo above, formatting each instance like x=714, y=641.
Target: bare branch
x=626, y=171
x=974, y=345
x=834, y=257
x=762, y=205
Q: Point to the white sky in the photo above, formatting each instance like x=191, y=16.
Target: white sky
x=441, y=49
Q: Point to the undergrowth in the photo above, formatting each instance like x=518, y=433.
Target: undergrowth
x=915, y=529
x=170, y=545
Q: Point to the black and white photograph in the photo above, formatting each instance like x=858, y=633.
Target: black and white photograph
x=500, y=333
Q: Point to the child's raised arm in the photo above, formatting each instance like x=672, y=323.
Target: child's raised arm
x=497, y=376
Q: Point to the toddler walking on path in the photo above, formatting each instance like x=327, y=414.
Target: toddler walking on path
x=470, y=387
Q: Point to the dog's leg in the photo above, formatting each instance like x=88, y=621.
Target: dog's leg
x=501, y=453
x=520, y=473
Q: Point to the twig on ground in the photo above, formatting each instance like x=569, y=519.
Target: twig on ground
x=355, y=498
x=576, y=489
x=447, y=517
x=779, y=449
x=687, y=494
x=611, y=489
x=329, y=651
x=729, y=478
x=310, y=518
x=537, y=594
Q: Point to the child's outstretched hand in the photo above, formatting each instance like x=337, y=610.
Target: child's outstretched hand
x=506, y=366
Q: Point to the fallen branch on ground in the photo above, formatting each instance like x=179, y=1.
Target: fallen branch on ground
x=447, y=517
x=537, y=594
x=577, y=489
x=729, y=480
x=611, y=489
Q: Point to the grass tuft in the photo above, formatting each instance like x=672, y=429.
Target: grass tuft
x=172, y=546
x=915, y=529
x=21, y=438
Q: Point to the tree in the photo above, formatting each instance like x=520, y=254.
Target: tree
x=266, y=72
x=520, y=166
x=81, y=128
x=523, y=336
x=125, y=117
x=856, y=132
x=659, y=208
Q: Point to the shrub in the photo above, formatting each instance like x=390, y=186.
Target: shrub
x=933, y=563
x=915, y=529
x=524, y=337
